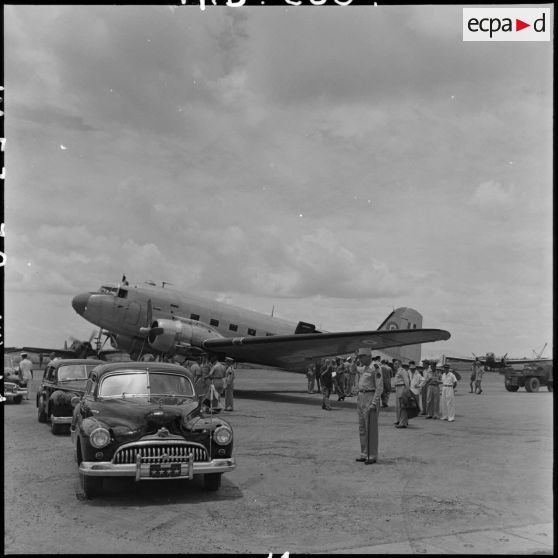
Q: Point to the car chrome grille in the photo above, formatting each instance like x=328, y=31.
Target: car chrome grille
x=160, y=453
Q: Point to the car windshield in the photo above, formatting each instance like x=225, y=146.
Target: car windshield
x=74, y=371
x=134, y=383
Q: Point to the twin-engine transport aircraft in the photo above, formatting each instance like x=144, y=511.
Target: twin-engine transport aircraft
x=165, y=321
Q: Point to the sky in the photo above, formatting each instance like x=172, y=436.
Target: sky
x=331, y=163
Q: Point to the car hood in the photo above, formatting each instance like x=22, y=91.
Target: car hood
x=143, y=417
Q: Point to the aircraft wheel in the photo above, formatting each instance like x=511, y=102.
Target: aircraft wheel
x=532, y=384
x=212, y=481
x=41, y=414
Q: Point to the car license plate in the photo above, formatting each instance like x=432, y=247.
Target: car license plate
x=160, y=470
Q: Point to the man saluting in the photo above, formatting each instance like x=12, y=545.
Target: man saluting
x=370, y=387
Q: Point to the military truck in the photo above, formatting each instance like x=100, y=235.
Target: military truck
x=532, y=376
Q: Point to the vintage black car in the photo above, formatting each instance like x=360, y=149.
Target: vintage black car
x=144, y=420
x=62, y=380
x=15, y=388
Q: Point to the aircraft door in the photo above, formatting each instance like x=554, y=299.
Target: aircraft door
x=133, y=313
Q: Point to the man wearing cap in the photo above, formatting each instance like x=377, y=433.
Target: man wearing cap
x=229, y=384
x=386, y=377
x=447, y=401
x=432, y=381
x=402, y=382
x=370, y=387
x=417, y=381
x=26, y=372
x=423, y=369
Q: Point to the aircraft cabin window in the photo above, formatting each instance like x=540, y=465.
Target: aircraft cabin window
x=251, y=331
x=269, y=334
x=409, y=325
x=195, y=317
x=414, y=326
x=214, y=323
x=233, y=327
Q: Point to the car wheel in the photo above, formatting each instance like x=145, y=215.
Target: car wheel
x=212, y=481
x=56, y=428
x=509, y=387
x=532, y=384
x=41, y=414
x=91, y=486
x=18, y=399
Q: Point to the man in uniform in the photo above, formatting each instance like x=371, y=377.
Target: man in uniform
x=311, y=377
x=229, y=384
x=423, y=369
x=326, y=384
x=432, y=384
x=474, y=369
x=447, y=401
x=402, y=382
x=386, y=376
x=478, y=379
x=370, y=387
x=216, y=377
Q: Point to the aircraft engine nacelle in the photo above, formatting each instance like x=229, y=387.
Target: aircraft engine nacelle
x=170, y=336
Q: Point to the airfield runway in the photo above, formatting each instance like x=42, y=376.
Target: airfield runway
x=480, y=485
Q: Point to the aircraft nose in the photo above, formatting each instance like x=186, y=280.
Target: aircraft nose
x=79, y=302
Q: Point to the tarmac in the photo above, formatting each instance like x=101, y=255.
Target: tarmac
x=480, y=485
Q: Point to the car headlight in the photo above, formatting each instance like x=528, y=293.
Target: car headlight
x=222, y=435
x=99, y=438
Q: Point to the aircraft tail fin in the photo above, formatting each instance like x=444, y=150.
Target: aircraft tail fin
x=403, y=318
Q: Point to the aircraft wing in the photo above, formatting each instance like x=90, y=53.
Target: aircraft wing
x=449, y=359
x=46, y=350
x=293, y=351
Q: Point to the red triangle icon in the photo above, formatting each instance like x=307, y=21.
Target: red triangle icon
x=519, y=25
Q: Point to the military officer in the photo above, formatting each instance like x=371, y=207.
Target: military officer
x=402, y=382
x=217, y=378
x=229, y=384
x=386, y=375
x=370, y=387
x=432, y=381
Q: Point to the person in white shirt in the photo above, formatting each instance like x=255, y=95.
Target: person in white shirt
x=26, y=372
x=417, y=382
x=447, y=401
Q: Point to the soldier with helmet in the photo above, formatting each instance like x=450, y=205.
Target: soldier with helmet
x=370, y=388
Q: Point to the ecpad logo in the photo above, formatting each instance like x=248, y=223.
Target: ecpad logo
x=506, y=24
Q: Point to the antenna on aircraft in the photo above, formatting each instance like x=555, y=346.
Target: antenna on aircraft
x=272, y=309
x=163, y=283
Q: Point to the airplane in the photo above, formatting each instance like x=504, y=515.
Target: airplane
x=490, y=362
x=164, y=321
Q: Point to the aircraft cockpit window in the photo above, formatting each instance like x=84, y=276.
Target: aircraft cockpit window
x=122, y=293
x=108, y=290
x=251, y=331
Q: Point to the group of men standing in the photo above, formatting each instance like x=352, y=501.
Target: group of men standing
x=214, y=380
x=430, y=391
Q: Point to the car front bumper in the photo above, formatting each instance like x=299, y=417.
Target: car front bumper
x=142, y=470
x=20, y=392
x=60, y=420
